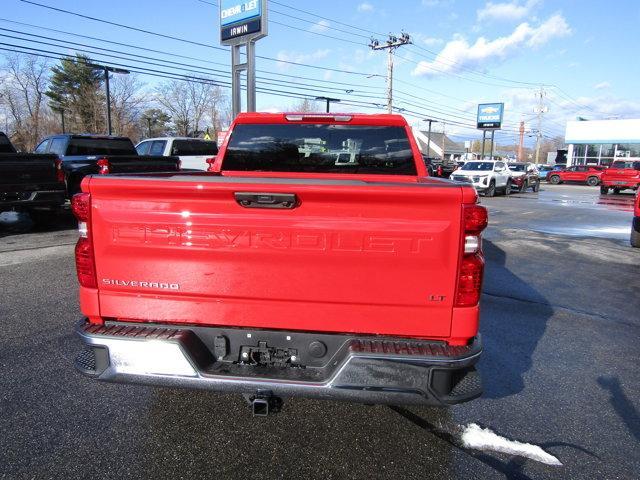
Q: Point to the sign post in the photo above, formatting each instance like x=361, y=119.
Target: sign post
x=242, y=23
x=489, y=118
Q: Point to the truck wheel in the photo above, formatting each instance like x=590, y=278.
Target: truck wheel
x=604, y=190
x=555, y=179
x=635, y=238
x=593, y=181
x=536, y=186
x=491, y=189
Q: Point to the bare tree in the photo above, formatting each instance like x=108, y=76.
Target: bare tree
x=127, y=103
x=175, y=97
x=219, y=114
x=304, y=106
x=23, y=89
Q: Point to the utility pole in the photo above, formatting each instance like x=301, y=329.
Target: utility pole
x=328, y=100
x=443, y=137
x=390, y=45
x=540, y=110
x=430, y=120
x=521, y=144
x=62, y=118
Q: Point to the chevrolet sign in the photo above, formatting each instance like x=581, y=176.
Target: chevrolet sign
x=490, y=116
x=242, y=21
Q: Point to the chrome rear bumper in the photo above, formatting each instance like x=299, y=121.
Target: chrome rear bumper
x=377, y=370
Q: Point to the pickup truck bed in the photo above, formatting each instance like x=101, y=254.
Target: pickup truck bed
x=329, y=286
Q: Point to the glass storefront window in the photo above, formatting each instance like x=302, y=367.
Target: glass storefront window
x=629, y=150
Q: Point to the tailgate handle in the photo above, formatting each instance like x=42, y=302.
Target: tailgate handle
x=266, y=200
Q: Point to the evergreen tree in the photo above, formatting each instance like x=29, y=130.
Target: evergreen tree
x=76, y=88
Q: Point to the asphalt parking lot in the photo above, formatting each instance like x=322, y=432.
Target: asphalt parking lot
x=560, y=320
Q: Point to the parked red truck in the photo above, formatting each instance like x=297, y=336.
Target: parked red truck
x=317, y=259
x=621, y=175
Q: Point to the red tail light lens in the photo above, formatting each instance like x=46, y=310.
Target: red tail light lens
x=59, y=172
x=81, y=206
x=103, y=166
x=475, y=219
x=470, y=281
x=85, y=266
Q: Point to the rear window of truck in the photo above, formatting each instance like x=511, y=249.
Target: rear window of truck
x=320, y=148
x=100, y=146
x=194, y=147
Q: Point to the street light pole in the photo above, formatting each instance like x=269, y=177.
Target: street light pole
x=328, y=100
x=106, y=70
x=430, y=120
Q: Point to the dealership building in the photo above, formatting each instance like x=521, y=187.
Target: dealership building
x=599, y=142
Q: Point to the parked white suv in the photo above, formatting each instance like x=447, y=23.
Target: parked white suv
x=193, y=152
x=487, y=176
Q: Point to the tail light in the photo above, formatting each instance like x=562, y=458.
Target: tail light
x=439, y=170
x=103, y=166
x=474, y=221
x=59, y=172
x=85, y=264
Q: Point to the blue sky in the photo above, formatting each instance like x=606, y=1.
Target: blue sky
x=463, y=52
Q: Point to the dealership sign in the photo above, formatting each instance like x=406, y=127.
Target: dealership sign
x=242, y=21
x=490, y=116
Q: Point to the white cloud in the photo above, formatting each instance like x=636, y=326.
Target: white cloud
x=432, y=41
x=459, y=54
x=506, y=11
x=602, y=85
x=365, y=7
x=285, y=56
x=321, y=26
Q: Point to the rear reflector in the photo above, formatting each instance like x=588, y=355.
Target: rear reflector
x=469, y=281
x=85, y=267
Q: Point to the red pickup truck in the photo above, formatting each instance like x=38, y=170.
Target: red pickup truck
x=621, y=175
x=317, y=259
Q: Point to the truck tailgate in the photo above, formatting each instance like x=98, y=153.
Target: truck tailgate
x=20, y=171
x=352, y=256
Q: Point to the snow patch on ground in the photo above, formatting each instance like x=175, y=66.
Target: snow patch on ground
x=478, y=438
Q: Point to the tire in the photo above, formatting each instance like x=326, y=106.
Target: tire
x=507, y=189
x=635, y=238
x=604, y=190
x=555, y=179
x=491, y=189
x=536, y=186
x=593, y=181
